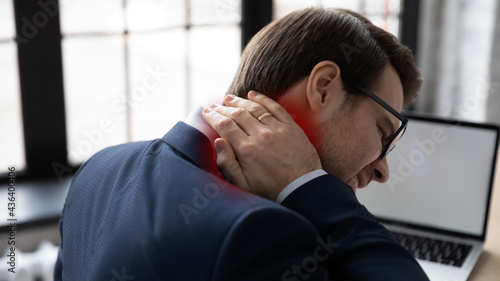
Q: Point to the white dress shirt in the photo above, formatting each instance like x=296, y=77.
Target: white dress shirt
x=297, y=183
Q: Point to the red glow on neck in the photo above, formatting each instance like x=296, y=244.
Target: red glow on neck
x=303, y=118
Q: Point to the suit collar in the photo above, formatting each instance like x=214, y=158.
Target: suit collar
x=194, y=145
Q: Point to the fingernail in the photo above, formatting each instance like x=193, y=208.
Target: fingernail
x=213, y=106
x=206, y=110
x=252, y=94
x=229, y=97
x=218, y=147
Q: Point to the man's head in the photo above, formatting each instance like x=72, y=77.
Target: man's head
x=299, y=61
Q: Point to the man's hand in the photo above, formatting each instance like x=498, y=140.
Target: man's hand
x=263, y=156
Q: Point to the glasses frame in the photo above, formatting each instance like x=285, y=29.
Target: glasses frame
x=404, y=121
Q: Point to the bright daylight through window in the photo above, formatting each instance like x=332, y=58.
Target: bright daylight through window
x=11, y=125
x=136, y=67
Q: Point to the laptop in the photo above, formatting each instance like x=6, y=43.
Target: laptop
x=437, y=199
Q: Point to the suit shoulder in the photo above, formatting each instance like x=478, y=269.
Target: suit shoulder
x=122, y=154
x=266, y=234
x=268, y=219
x=130, y=149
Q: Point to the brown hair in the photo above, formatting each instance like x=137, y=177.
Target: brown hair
x=285, y=51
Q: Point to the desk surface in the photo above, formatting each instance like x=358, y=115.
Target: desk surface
x=488, y=265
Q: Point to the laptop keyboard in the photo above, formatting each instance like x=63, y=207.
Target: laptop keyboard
x=434, y=250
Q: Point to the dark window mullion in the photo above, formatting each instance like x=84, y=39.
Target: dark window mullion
x=41, y=84
x=255, y=14
x=408, y=30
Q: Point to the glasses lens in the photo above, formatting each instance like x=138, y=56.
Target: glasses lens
x=397, y=137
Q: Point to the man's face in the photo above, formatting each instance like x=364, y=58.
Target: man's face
x=351, y=141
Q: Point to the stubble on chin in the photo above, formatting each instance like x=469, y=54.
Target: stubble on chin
x=336, y=149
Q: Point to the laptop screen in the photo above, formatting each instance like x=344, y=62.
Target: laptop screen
x=441, y=175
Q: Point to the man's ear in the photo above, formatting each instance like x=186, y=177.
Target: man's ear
x=324, y=90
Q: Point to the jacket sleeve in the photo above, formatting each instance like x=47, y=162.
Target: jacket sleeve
x=366, y=249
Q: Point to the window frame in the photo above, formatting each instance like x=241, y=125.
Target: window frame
x=38, y=41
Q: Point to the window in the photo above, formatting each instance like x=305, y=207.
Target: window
x=383, y=13
x=12, y=148
x=135, y=67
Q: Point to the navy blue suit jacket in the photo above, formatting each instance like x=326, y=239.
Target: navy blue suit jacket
x=159, y=210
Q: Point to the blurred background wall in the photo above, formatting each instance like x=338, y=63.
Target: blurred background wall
x=457, y=46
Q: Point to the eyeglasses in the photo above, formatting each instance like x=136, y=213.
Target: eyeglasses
x=403, y=121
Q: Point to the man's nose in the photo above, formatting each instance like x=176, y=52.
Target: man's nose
x=380, y=170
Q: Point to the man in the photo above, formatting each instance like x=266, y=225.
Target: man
x=160, y=210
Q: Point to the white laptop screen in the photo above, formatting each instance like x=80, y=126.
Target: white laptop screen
x=440, y=178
